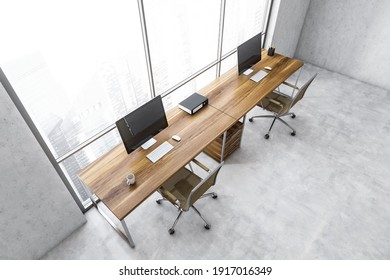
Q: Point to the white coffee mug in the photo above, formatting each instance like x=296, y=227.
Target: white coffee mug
x=130, y=179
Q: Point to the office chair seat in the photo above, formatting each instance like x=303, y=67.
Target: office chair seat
x=180, y=186
x=275, y=102
x=279, y=104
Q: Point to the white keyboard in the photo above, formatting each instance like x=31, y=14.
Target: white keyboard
x=258, y=76
x=159, y=152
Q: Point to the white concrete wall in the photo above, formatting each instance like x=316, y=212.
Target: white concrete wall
x=351, y=37
x=286, y=24
x=36, y=209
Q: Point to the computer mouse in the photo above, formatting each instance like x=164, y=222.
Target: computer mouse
x=176, y=138
x=268, y=68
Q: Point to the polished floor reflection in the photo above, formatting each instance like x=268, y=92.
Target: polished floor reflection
x=323, y=194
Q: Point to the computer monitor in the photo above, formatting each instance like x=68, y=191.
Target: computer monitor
x=249, y=53
x=142, y=124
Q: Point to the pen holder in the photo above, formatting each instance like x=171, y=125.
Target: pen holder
x=271, y=51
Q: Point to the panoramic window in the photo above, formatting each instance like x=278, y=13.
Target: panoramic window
x=183, y=38
x=78, y=66
x=243, y=20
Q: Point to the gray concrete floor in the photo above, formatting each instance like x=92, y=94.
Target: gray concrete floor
x=323, y=194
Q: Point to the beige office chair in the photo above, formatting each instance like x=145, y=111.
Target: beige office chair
x=185, y=187
x=280, y=105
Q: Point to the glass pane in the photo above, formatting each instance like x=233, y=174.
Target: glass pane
x=77, y=66
x=229, y=63
x=189, y=88
x=72, y=165
x=183, y=38
x=243, y=20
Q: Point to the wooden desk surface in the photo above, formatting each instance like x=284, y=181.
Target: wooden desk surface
x=230, y=97
x=106, y=176
x=236, y=94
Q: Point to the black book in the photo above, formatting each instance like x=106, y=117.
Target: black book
x=193, y=103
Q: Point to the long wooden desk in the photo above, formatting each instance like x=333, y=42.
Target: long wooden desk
x=106, y=177
x=236, y=95
x=230, y=97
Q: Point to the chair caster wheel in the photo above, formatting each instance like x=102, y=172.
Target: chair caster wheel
x=207, y=226
x=293, y=133
x=171, y=231
x=251, y=120
x=266, y=136
x=293, y=116
x=214, y=196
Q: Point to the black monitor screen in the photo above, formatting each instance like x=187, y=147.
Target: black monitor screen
x=142, y=124
x=249, y=53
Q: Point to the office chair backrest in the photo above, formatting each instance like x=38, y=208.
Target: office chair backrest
x=203, y=186
x=302, y=90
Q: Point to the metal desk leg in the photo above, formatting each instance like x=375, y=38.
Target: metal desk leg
x=129, y=239
x=126, y=236
x=243, y=126
x=243, y=119
x=223, y=145
x=293, y=92
x=296, y=81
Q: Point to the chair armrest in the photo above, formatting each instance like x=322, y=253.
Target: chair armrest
x=201, y=165
x=281, y=93
x=290, y=85
x=275, y=102
x=168, y=195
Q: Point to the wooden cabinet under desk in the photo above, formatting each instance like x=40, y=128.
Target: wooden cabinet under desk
x=233, y=141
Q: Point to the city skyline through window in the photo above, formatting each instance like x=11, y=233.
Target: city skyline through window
x=78, y=66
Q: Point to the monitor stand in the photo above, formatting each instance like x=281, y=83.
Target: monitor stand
x=148, y=143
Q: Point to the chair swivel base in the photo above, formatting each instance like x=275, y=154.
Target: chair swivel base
x=275, y=117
